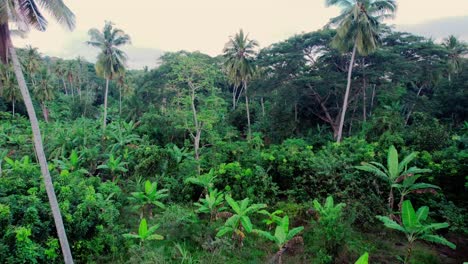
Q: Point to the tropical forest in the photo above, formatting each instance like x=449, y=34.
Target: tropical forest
x=344, y=144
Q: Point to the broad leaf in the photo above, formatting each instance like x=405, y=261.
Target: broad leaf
x=245, y=220
x=408, y=215
x=392, y=162
x=364, y=259
x=439, y=240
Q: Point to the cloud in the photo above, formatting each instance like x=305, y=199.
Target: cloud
x=440, y=28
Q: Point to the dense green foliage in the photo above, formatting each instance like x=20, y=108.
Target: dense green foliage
x=177, y=176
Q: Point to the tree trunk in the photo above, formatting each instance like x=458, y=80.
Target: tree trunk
x=104, y=122
x=249, y=132
x=414, y=105
x=65, y=86
x=345, y=101
x=234, y=95
x=45, y=112
x=262, y=103
x=372, y=100
x=41, y=157
x=120, y=102
x=13, y=107
x=364, y=99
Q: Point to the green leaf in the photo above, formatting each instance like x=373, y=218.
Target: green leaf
x=422, y=213
x=280, y=235
x=234, y=205
x=265, y=234
x=392, y=162
x=406, y=161
x=390, y=223
x=155, y=237
x=223, y=231
x=294, y=232
x=408, y=215
x=143, y=229
x=285, y=223
x=131, y=236
x=245, y=220
x=364, y=259
x=439, y=240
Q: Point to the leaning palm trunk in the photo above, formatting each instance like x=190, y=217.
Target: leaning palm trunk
x=105, y=104
x=41, y=156
x=345, y=100
x=249, y=132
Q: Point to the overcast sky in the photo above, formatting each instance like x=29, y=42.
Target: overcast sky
x=205, y=25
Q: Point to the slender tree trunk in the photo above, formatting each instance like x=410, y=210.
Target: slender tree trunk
x=120, y=102
x=414, y=105
x=13, y=106
x=262, y=103
x=249, y=131
x=65, y=86
x=364, y=100
x=104, y=122
x=45, y=112
x=198, y=130
x=408, y=252
x=372, y=100
x=295, y=113
x=345, y=101
x=234, y=93
x=41, y=157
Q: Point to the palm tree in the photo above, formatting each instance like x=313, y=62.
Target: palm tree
x=239, y=53
x=44, y=91
x=59, y=69
x=10, y=91
x=358, y=27
x=457, y=49
x=111, y=61
x=26, y=14
x=32, y=60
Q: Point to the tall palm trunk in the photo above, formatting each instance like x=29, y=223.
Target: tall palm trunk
x=249, y=132
x=45, y=112
x=13, y=107
x=41, y=155
x=345, y=101
x=104, y=122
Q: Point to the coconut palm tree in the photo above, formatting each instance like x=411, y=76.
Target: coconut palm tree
x=358, y=29
x=9, y=90
x=24, y=15
x=457, y=49
x=44, y=91
x=111, y=61
x=32, y=61
x=239, y=53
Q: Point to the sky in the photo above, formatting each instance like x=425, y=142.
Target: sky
x=156, y=26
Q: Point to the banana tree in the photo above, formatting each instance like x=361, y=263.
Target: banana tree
x=239, y=223
x=211, y=204
x=397, y=175
x=272, y=218
x=148, y=197
x=415, y=227
x=281, y=237
x=115, y=166
x=145, y=234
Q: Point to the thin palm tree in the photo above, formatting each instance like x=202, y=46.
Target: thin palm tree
x=111, y=61
x=239, y=53
x=457, y=49
x=9, y=90
x=25, y=14
x=358, y=29
x=44, y=91
x=31, y=63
